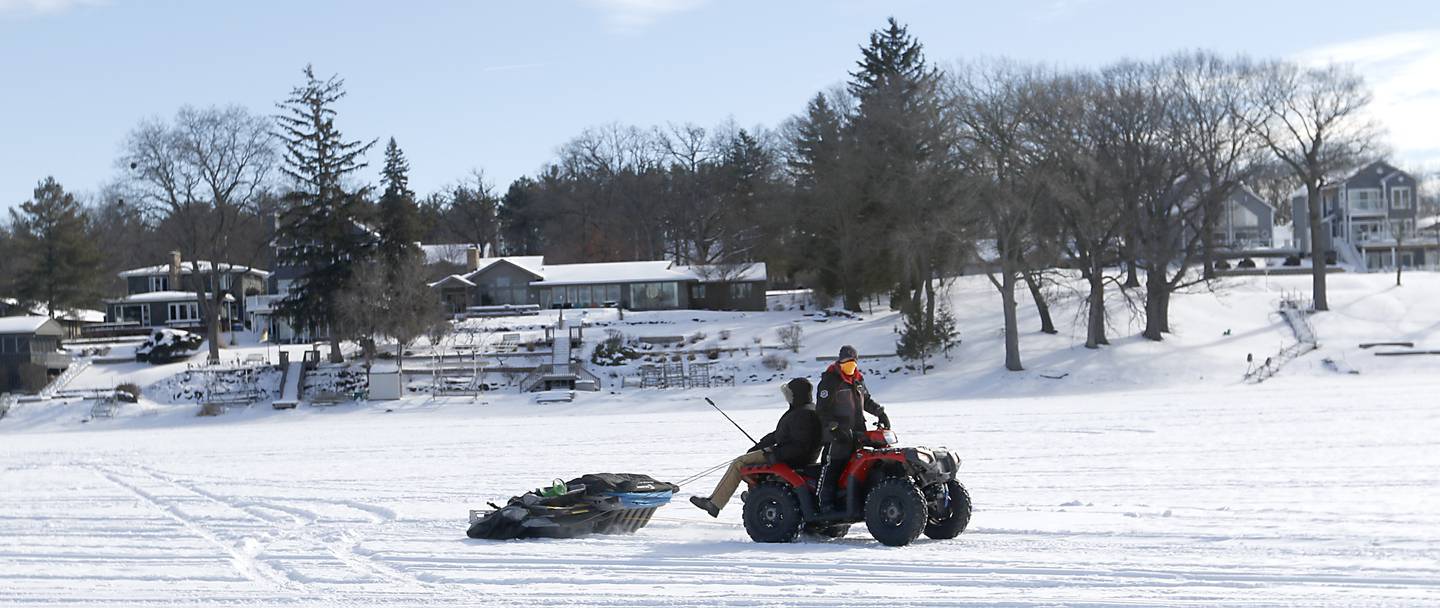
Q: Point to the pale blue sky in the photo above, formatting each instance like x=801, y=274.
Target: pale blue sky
x=498, y=86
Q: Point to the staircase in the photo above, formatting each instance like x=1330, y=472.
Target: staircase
x=560, y=355
x=64, y=378
x=1349, y=254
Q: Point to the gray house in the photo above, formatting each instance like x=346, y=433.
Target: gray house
x=644, y=285
x=30, y=353
x=1369, y=220
x=165, y=295
x=1245, y=222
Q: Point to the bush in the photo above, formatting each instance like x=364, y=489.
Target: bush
x=128, y=392
x=724, y=334
x=696, y=337
x=1292, y=260
x=712, y=353
x=1246, y=263
x=775, y=362
x=613, y=350
x=790, y=337
x=1222, y=265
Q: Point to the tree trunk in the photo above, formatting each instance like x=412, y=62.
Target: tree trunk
x=335, y=355
x=1095, y=319
x=1012, y=327
x=1132, y=277
x=1317, y=254
x=1047, y=326
x=209, y=308
x=1156, y=291
x=1207, y=246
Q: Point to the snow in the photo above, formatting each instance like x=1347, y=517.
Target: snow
x=188, y=266
x=161, y=296
x=22, y=325
x=1149, y=475
x=610, y=272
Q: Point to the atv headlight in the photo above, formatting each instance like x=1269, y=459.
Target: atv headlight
x=890, y=438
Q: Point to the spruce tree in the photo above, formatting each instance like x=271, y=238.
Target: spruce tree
x=519, y=227
x=399, y=216
x=320, y=232
x=57, y=263
x=920, y=339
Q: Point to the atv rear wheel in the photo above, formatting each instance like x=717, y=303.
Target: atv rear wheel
x=895, y=511
x=952, y=517
x=772, y=513
x=827, y=531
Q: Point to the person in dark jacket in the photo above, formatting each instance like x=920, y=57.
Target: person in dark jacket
x=795, y=441
x=841, y=400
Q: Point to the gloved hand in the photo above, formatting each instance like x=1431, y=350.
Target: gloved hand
x=841, y=435
x=883, y=419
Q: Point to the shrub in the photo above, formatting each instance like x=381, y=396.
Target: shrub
x=724, y=334
x=775, y=362
x=790, y=337
x=169, y=345
x=712, y=353
x=1292, y=260
x=613, y=350
x=696, y=337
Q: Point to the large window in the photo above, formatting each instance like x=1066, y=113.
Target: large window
x=1366, y=200
x=1400, y=198
x=653, y=296
x=183, y=311
x=160, y=283
x=739, y=292
x=1240, y=217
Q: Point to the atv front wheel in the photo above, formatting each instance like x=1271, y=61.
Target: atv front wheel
x=772, y=513
x=953, y=515
x=895, y=511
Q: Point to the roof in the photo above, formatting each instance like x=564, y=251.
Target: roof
x=533, y=264
x=27, y=325
x=160, y=296
x=186, y=267
x=454, y=278
x=82, y=315
x=612, y=272
x=754, y=271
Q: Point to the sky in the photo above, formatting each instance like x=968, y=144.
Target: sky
x=499, y=86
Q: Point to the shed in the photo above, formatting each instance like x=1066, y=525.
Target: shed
x=30, y=353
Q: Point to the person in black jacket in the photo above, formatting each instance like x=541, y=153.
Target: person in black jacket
x=795, y=441
x=841, y=400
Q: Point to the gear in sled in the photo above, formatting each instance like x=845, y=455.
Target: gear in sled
x=597, y=503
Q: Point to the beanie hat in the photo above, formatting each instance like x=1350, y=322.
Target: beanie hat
x=847, y=353
x=797, y=391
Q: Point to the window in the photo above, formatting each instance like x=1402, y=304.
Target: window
x=1399, y=198
x=1240, y=217
x=653, y=296
x=160, y=283
x=183, y=311
x=1368, y=231
x=1366, y=200
x=612, y=294
x=225, y=280
x=697, y=292
x=739, y=292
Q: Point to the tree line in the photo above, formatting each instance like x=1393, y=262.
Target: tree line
x=883, y=189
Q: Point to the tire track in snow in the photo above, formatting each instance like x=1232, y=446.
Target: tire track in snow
x=241, y=555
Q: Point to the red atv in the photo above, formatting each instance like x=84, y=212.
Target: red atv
x=897, y=492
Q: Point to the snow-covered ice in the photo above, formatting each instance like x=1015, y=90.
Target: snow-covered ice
x=1150, y=475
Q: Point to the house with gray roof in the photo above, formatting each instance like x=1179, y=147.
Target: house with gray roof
x=31, y=353
x=1369, y=220
x=1245, y=222
x=165, y=295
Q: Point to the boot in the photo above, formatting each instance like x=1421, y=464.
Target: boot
x=704, y=503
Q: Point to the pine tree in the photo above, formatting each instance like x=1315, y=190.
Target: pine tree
x=57, y=263
x=320, y=232
x=399, y=215
x=519, y=227
x=920, y=339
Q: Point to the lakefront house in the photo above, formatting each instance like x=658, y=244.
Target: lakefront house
x=1369, y=220
x=165, y=295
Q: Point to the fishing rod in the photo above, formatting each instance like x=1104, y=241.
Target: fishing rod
x=732, y=420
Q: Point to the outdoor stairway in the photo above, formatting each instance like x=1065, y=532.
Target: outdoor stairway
x=560, y=352
x=290, y=385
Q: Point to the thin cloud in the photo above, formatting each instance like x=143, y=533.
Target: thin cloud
x=42, y=7
x=1400, y=68
x=633, y=15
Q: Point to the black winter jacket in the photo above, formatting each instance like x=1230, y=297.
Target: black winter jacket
x=840, y=403
x=796, y=439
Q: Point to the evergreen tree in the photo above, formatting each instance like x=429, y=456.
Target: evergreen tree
x=920, y=339
x=319, y=230
x=57, y=264
x=398, y=215
x=520, y=229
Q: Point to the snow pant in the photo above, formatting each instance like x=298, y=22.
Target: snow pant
x=731, y=480
x=832, y=464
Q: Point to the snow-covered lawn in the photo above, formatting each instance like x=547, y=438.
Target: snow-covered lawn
x=1149, y=475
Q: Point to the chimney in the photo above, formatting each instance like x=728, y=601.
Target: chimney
x=175, y=270
x=472, y=257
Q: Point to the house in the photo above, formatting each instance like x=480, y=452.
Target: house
x=639, y=285
x=165, y=295
x=1245, y=222
x=73, y=321
x=1362, y=216
x=30, y=353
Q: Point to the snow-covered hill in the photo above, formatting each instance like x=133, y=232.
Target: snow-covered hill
x=1149, y=475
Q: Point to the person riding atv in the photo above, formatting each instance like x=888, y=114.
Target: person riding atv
x=795, y=442
x=841, y=400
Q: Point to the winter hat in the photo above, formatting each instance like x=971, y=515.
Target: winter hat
x=797, y=390
x=847, y=353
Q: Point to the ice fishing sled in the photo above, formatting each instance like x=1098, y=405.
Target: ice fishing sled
x=597, y=503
